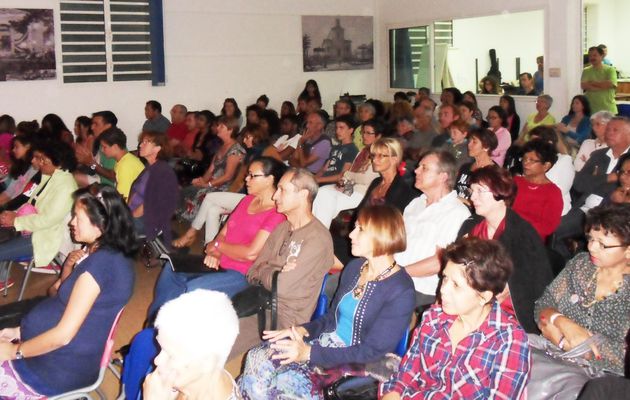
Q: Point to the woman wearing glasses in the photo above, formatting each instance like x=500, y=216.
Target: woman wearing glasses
x=592, y=293
x=492, y=194
x=538, y=200
x=237, y=245
x=389, y=188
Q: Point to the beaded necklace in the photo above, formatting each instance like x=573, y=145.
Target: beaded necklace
x=357, y=292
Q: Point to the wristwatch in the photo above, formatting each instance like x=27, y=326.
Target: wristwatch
x=93, y=166
x=18, y=354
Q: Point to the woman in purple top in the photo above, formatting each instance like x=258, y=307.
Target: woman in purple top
x=237, y=245
x=155, y=192
x=366, y=320
x=59, y=343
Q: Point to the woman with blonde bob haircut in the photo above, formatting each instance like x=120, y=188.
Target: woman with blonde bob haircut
x=367, y=318
x=193, y=351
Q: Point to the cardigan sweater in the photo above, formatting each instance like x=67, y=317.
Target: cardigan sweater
x=382, y=315
x=53, y=207
x=532, y=270
x=398, y=195
x=160, y=200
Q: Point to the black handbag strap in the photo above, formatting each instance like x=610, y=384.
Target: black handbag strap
x=274, y=300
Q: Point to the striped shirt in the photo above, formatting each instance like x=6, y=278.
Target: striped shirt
x=492, y=362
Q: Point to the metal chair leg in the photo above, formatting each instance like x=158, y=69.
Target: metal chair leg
x=5, y=266
x=26, y=276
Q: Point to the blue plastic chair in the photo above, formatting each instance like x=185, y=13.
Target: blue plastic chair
x=322, y=301
x=401, y=347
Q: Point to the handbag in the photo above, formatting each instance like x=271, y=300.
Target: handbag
x=352, y=388
x=257, y=300
x=152, y=250
x=556, y=374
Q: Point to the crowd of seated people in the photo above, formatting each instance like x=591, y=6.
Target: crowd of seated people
x=487, y=217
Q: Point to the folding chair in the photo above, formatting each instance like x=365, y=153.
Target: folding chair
x=107, y=353
x=322, y=301
x=31, y=263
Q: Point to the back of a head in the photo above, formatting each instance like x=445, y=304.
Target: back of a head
x=210, y=333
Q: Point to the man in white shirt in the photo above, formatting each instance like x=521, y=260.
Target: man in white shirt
x=431, y=221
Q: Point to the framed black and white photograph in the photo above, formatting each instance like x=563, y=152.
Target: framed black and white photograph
x=334, y=43
x=27, y=44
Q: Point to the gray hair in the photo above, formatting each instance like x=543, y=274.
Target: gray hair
x=602, y=116
x=199, y=337
x=548, y=99
x=369, y=107
x=304, y=179
x=623, y=119
x=181, y=107
x=446, y=163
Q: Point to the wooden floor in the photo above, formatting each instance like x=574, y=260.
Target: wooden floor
x=131, y=320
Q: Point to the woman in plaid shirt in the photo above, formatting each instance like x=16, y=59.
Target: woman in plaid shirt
x=467, y=347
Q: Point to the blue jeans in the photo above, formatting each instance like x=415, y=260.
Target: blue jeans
x=14, y=249
x=171, y=285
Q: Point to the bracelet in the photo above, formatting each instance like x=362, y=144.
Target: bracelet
x=561, y=343
x=209, y=184
x=554, y=317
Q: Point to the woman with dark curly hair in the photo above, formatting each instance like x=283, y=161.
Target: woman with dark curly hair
x=49, y=206
x=59, y=343
x=466, y=347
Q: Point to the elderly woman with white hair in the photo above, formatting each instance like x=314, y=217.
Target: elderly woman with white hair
x=191, y=362
x=599, y=122
x=540, y=117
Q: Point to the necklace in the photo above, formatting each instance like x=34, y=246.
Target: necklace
x=596, y=299
x=358, y=290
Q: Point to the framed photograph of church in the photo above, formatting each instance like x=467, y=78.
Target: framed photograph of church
x=334, y=43
x=27, y=44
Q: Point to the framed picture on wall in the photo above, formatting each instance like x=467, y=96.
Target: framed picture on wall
x=27, y=44
x=334, y=43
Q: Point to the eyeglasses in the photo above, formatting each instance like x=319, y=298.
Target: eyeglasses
x=624, y=172
x=252, y=176
x=375, y=156
x=593, y=241
x=530, y=160
x=478, y=191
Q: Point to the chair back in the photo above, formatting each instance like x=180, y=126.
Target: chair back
x=401, y=347
x=139, y=362
x=322, y=301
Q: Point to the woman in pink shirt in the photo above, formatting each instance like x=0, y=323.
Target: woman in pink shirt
x=498, y=122
x=237, y=245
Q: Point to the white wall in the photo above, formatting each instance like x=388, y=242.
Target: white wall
x=474, y=37
x=608, y=24
x=214, y=49
x=561, y=39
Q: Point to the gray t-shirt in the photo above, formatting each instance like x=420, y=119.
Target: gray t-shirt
x=339, y=156
x=157, y=124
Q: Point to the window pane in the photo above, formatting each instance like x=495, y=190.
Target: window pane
x=409, y=57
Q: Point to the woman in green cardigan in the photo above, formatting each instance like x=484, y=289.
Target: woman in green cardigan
x=52, y=201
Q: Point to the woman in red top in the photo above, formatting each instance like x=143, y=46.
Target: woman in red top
x=538, y=200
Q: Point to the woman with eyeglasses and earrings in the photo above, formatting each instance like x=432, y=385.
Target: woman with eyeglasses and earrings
x=481, y=144
x=368, y=316
x=591, y=296
x=466, y=346
x=237, y=245
x=350, y=190
x=492, y=194
x=389, y=188
x=497, y=123
x=538, y=200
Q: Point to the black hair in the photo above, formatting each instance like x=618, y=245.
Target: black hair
x=19, y=166
x=271, y=116
x=271, y=167
x=305, y=93
x=107, y=210
x=545, y=150
x=611, y=218
x=237, y=111
x=7, y=124
x=155, y=105
x=544, y=133
x=377, y=125
x=401, y=96
x=293, y=118
x=114, y=136
x=264, y=99
x=348, y=101
x=471, y=94
x=597, y=49
x=511, y=104
x=290, y=105
x=501, y=113
x=348, y=120
x=379, y=107
x=254, y=108
x=527, y=74
x=108, y=117
x=425, y=90
x=457, y=95
x=84, y=121
x=27, y=128
x=60, y=153
x=586, y=105
x=53, y=126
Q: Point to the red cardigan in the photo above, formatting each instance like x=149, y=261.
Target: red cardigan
x=540, y=205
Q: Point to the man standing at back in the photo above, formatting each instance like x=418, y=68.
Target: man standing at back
x=300, y=248
x=128, y=166
x=155, y=122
